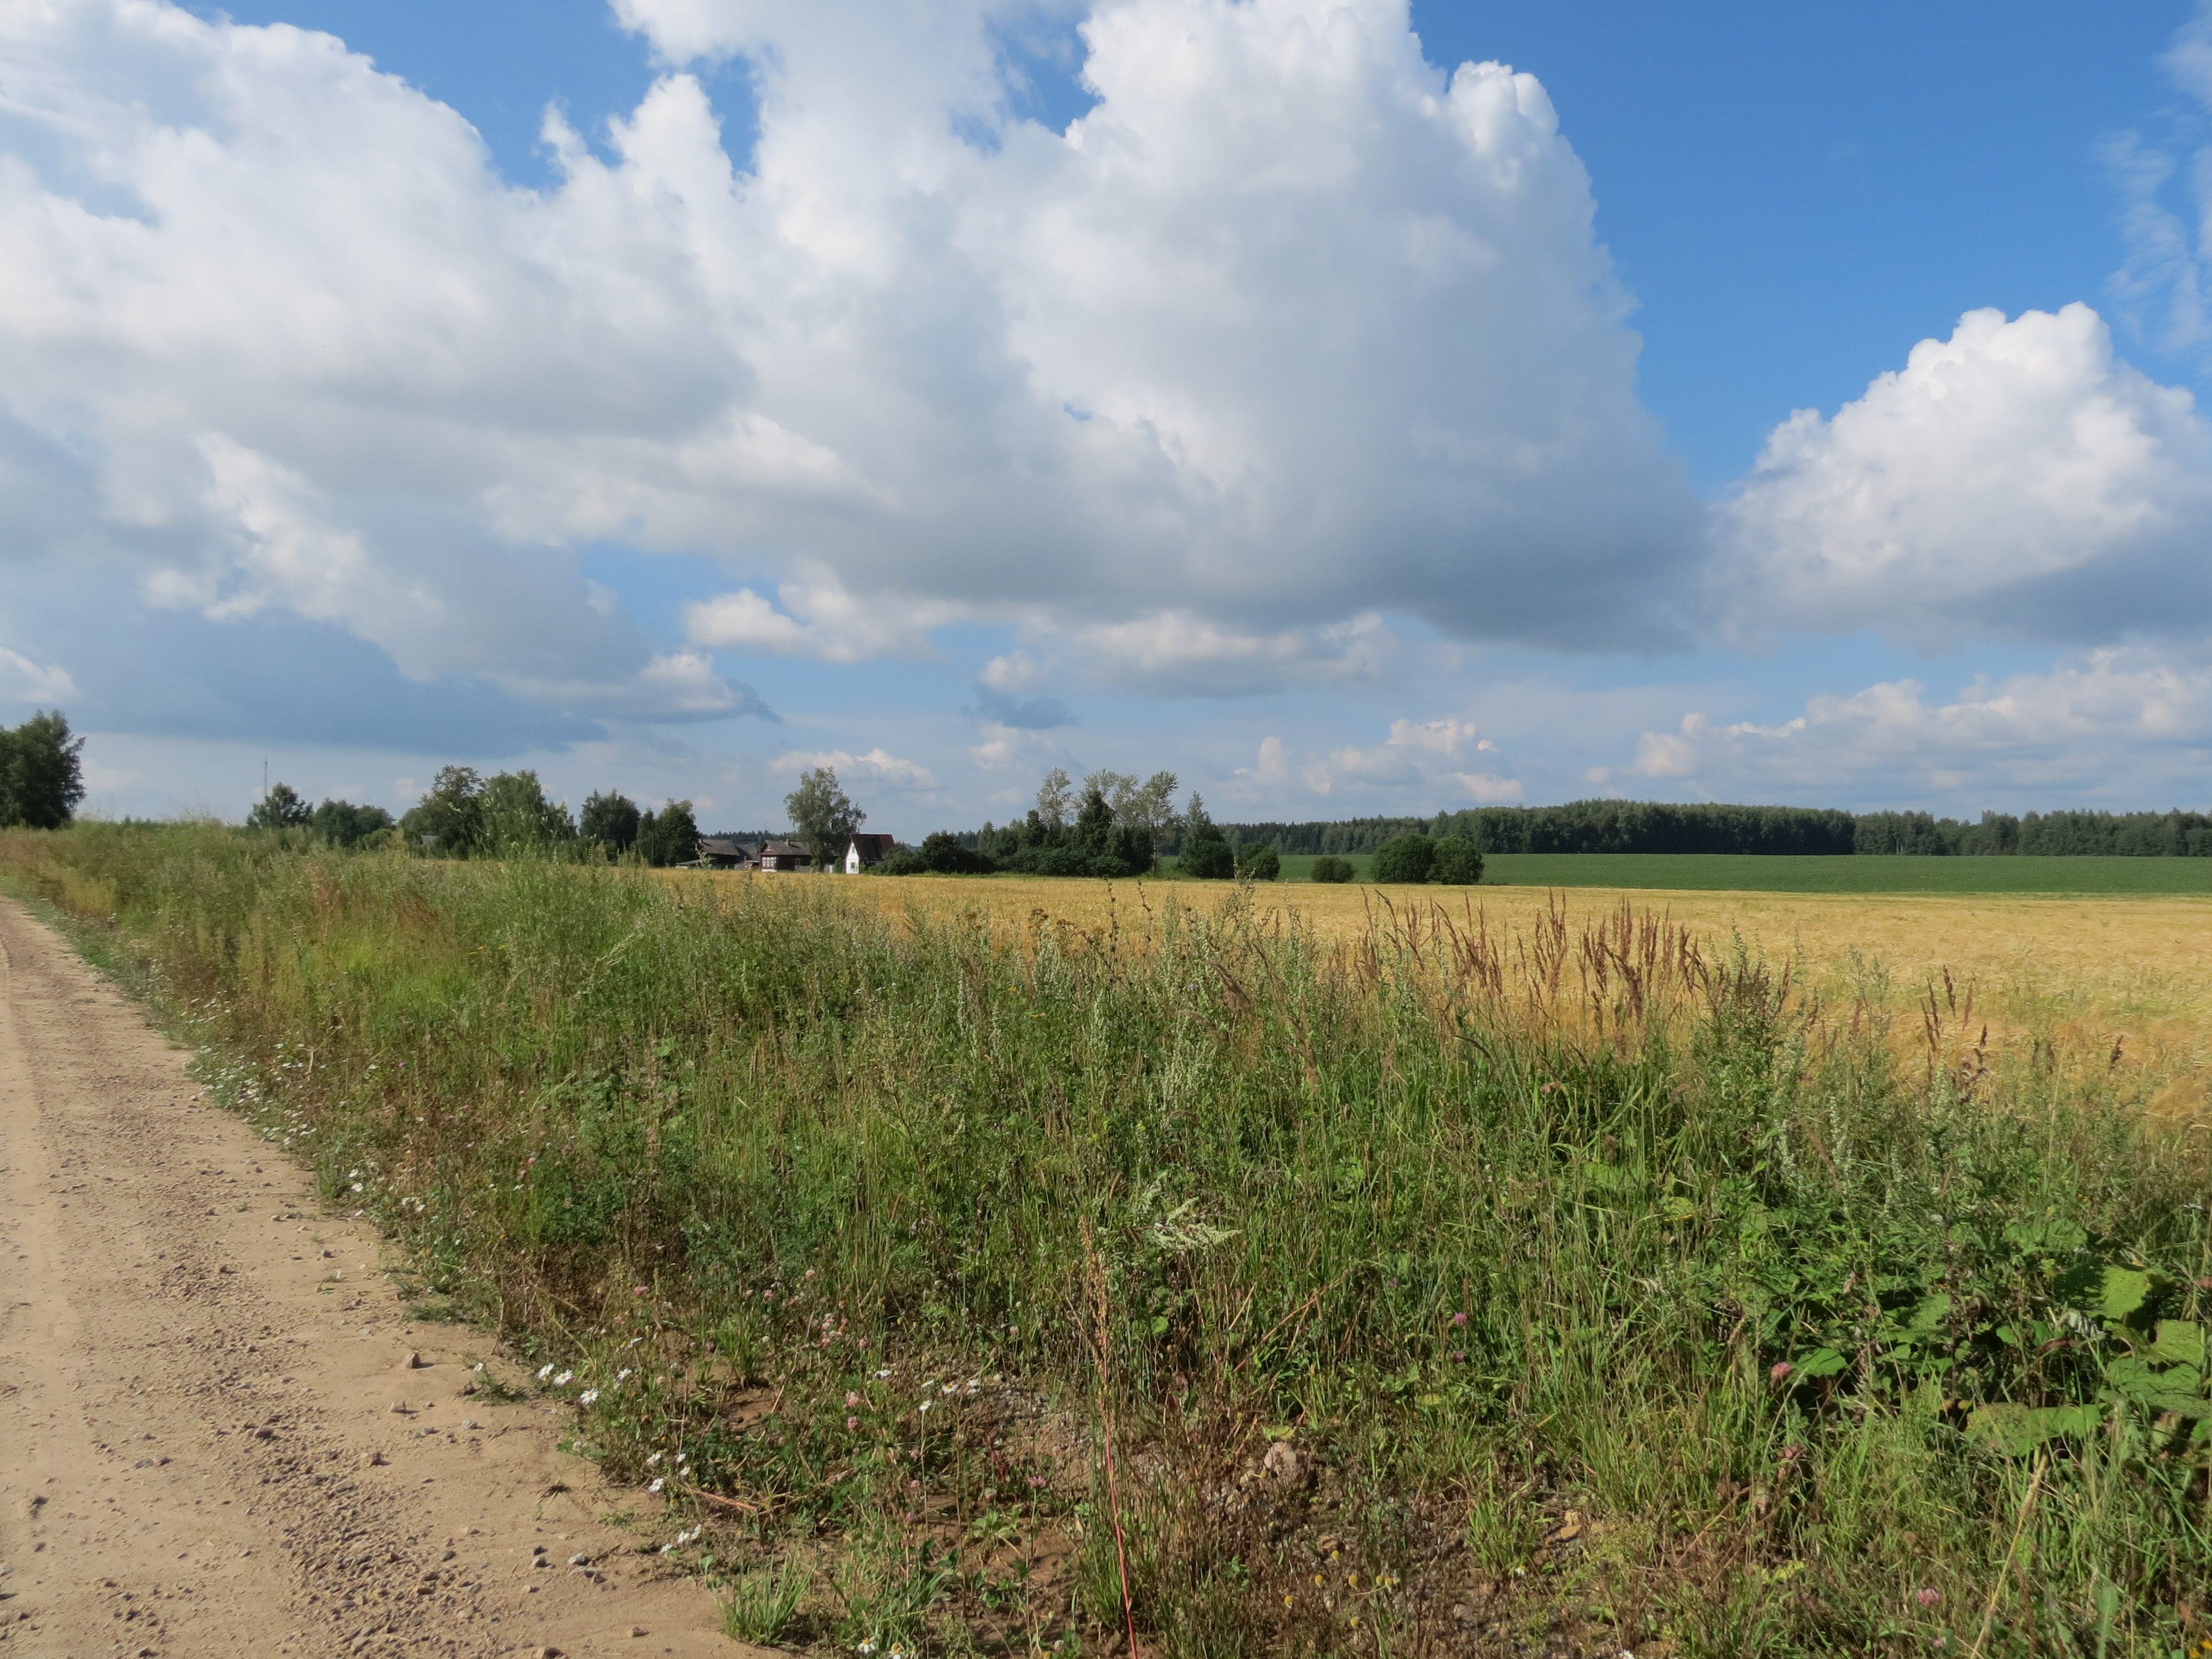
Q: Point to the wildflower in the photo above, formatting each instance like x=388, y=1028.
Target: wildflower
x=1928, y=1598
x=656, y=1483
x=881, y=1374
x=1458, y=1319
x=545, y=1371
x=1791, y=1453
x=1035, y=1480
x=640, y=1290
x=1459, y=1355
x=624, y=1375
x=925, y=1406
x=851, y=1424
x=587, y=1396
x=653, y=1457
x=1780, y=1370
x=851, y=1400
x=864, y=1648
x=564, y=1379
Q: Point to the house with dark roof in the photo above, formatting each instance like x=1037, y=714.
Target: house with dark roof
x=864, y=850
x=782, y=855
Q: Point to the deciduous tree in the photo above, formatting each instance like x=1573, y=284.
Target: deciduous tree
x=41, y=772
x=282, y=808
x=823, y=816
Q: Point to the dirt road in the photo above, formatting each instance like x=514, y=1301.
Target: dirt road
x=211, y=1441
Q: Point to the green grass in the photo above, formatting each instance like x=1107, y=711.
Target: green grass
x=1609, y=1291
x=1733, y=873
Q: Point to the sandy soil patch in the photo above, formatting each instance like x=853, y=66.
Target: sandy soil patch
x=212, y=1442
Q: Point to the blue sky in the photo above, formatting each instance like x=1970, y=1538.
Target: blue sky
x=1411, y=451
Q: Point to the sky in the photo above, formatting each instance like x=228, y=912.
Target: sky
x=1351, y=407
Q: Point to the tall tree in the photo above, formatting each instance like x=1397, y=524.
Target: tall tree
x=450, y=817
x=610, y=820
x=1206, y=851
x=1149, y=806
x=668, y=836
x=823, y=816
x=282, y=808
x=1055, y=796
x=516, y=814
x=41, y=772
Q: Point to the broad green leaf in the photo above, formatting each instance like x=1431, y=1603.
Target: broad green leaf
x=2019, y=1430
x=2181, y=1340
x=2124, y=1290
x=1821, y=1362
x=1928, y=1314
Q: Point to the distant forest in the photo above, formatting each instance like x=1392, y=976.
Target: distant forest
x=1623, y=826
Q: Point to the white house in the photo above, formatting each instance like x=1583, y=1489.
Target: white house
x=864, y=850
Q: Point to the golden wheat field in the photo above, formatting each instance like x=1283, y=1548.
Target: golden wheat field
x=2085, y=972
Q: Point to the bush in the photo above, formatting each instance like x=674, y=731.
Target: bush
x=1329, y=867
x=1259, y=863
x=939, y=854
x=1457, y=864
x=1205, y=853
x=1407, y=858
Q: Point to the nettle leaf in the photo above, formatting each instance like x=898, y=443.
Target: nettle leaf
x=2019, y=1430
x=1821, y=1362
x=2124, y=1290
x=1928, y=1314
x=2180, y=1341
x=2176, y=1388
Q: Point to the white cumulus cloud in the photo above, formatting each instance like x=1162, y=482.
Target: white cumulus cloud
x=1291, y=328
x=2015, y=478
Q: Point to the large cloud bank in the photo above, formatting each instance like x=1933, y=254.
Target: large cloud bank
x=1290, y=327
x=1292, y=336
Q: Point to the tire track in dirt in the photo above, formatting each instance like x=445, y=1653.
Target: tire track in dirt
x=211, y=1441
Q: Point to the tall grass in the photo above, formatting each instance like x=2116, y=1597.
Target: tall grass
x=1575, y=1290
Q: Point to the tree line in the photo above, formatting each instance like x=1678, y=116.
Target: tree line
x=1617, y=826
x=465, y=814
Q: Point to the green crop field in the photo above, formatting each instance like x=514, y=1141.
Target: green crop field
x=1745, y=873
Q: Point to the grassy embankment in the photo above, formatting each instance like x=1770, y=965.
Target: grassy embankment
x=1733, y=873
x=1433, y=1290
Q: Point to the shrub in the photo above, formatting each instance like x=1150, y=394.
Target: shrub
x=1259, y=863
x=1457, y=864
x=1407, y=858
x=1329, y=867
x=939, y=854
